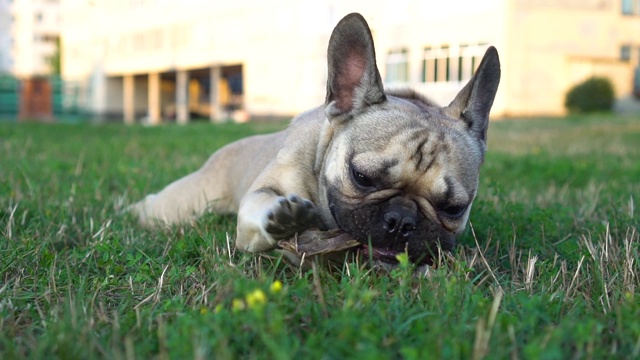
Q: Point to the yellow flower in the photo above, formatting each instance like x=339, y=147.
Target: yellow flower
x=276, y=287
x=218, y=308
x=203, y=310
x=256, y=298
x=237, y=305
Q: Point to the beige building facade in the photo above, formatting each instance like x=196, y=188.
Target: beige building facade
x=34, y=31
x=6, y=59
x=162, y=59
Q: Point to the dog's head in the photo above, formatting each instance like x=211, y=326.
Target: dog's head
x=398, y=172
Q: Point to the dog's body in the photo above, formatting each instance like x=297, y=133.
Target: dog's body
x=391, y=169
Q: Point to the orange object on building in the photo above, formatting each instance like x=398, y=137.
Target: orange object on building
x=35, y=100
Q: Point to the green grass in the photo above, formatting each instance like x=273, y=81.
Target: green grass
x=549, y=268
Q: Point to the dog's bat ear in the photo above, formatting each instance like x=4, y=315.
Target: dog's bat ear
x=354, y=81
x=474, y=101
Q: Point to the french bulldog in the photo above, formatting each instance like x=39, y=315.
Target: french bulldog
x=391, y=169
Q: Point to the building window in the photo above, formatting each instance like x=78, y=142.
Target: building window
x=47, y=38
x=436, y=64
x=398, y=66
x=631, y=7
x=625, y=53
x=38, y=17
x=455, y=63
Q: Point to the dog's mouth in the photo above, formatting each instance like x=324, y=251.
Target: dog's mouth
x=377, y=253
x=386, y=255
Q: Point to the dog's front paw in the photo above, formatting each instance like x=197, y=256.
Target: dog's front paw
x=290, y=215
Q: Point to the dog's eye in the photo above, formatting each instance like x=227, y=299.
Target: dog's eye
x=361, y=179
x=453, y=211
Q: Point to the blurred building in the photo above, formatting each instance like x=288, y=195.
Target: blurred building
x=162, y=59
x=35, y=29
x=6, y=62
x=29, y=55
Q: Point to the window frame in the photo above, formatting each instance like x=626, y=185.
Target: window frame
x=630, y=7
x=625, y=53
x=397, y=66
x=451, y=63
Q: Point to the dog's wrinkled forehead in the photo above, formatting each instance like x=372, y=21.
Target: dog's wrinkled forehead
x=412, y=141
x=400, y=120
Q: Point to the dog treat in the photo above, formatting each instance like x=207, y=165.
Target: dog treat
x=316, y=242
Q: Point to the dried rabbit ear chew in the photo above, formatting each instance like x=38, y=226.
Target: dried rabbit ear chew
x=329, y=247
x=315, y=242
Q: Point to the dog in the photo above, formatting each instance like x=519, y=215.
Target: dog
x=391, y=169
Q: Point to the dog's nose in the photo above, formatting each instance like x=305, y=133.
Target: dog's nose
x=399, y=224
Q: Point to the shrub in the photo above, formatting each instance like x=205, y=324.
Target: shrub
x=594, y=94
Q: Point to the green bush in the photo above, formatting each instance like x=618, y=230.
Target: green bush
x=594, y=94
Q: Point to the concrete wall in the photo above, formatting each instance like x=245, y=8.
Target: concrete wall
x=553, y=45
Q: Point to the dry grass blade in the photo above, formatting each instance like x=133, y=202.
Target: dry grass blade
x=484, y=260
x=156, y=294
x=484, y=328
x=8, y=233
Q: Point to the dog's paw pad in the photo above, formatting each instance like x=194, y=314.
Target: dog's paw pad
x=290, y=215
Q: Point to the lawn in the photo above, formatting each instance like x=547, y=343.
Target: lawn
x=548, y=269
